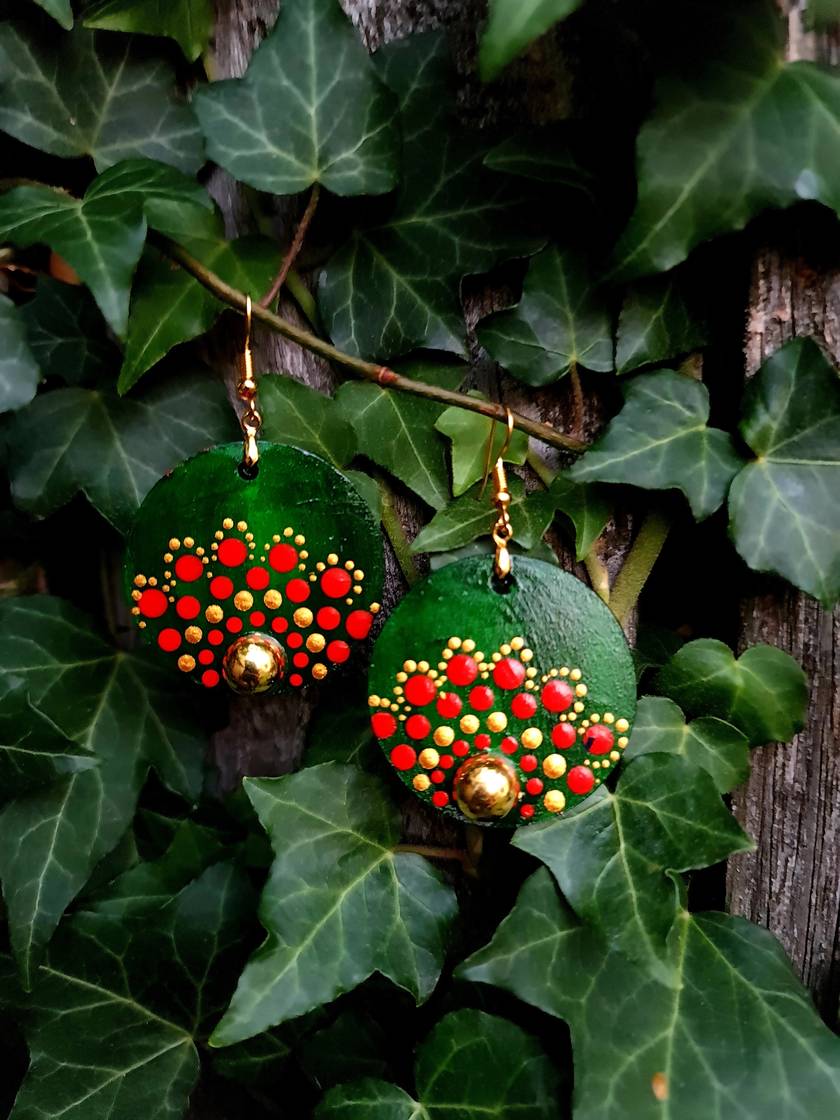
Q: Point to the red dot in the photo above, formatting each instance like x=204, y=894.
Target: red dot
x=580, y=779
x=557, y=696
x=523, y=705
x=232, y=552
x=297, y=590
x=257, y=578
x=296, y=680
x=462, y=669
x=440, y=798
x=294, y=640
x=215, y=637
x=383, y=725
x=358, y=624
x=598, y=740
x=509, y=673
x=509, y=745
x=437, y=776
x=336, y=582
x=482, y=742
x=526, y=811
x=209, y=678
x=446, y=761
x=169, y=640
x=338, y=651
x=188, y=568
x=257, y=618
x=419, y=691
x=282, y=557
x=448, y=705
x=328, y=618
x=563, y=735
x=279, y=625
x=300, y=660
x=403, y=756
x=152, y=603
x=206, y=657
x=533, y=786
x=221, y=587
x=528, y=763
x=417, y=727
x=234, y=625
x=460, y=747
x=187, y=606
x=481, y=698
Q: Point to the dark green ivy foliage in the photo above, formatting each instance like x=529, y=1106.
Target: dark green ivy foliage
x=277, y=948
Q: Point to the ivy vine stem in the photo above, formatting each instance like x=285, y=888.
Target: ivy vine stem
x=639, y=564
x=370, y=371
x=297, y=244
x=396, y=534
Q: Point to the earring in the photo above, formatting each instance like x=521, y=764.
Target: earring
x=257, y=565
x=502, y=692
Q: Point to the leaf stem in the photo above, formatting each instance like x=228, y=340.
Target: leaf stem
x=396, y=534
x=639, y=564
x=295, y=247
x=597, y=571
x=370, y=371
x=303, y=298
x=459, y=854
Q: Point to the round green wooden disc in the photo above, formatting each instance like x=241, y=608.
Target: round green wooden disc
x=293, y=554
x=537, y=681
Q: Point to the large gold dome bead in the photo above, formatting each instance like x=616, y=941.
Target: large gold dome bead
x=254, y=663
x=486, y=787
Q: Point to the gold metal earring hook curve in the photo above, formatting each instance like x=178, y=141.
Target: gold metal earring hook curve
x=250, y=421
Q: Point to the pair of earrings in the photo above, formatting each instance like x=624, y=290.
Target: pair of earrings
x=501, y=692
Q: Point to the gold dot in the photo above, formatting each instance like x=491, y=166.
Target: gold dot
x=174, y=544
x=304, y=555
x=585, y=723
x=375, y=608
x=319, y=671
x=469, y=724
x=320, y=566
x=193, y=634
x=227, y=523
x=447, y=656
x=433, y=673
x=443, y=736
x=421, y=782
x=575, y=675
x=348, y=564
x=373, y=700
x=596, y=765
x=152, y=581
x=555, y=801
x=398, y=690
x=526, y=655
x=530, y=673
x=349, y=602
x=581, y=690
x=422, y=666
x=139, y=581
x=564, y=672
x=393, y=707
x=429, y=758
x=243, y=600
x=218, y=535
x=303, y=616
x=615, y=756
x=571, y=717
x=402, y=677
x=495, y=657
x=531, y=738
x=410, y=666
x=168, y=558
x=579, y=706
x=214, y=614
x=332, y=558
x=454, y=643
x=360, y=575
x=186, y=663
x=554, y=766
x=621, y=725
x=135, y=610
x=287, y=532
x=241, y=526
x=609, y=717
x=517, y=643
x=188, y=542
x=496, y=721
x=357, y=589
x=530, y=684
x=272, y=599
x=595, y=718
x=384, y=702
x=142, y=625
x=623, y=741
x=315, y=643
x=468, y=645
x=504, y=649
x=300, y=539
x=135, y=595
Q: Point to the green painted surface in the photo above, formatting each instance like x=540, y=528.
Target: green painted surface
x=560, y=620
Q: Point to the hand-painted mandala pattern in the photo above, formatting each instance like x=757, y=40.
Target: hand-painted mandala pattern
x=471, y=703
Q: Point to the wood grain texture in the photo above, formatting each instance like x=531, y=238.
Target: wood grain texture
x=791, y=805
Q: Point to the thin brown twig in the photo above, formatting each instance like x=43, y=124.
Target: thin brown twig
x=295, y=247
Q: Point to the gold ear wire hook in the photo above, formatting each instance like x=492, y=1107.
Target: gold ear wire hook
x=503, y=529
x=250, y=421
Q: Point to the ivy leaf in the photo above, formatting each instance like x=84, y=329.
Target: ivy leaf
x=764, y=693
x=820, y=14
x=659, y=321
x=471, y=516
x=116, y=1011
x=544, y=157
x=512, y=25
x=293, y=413
x=396, y=431
x=112, y=449
x=647, y=1051
x=117, y=707
x=33, y=752
x=60, y=10
x=19, y=372
x=188, y=22
x=102, y=234
x=560, y=323
x=470, y=434
x=257, y=1061
x=617, y=857
x=471, y=1065
x=394, y=286
x=66, y=333
x=352, y=1047
x=377, y=910
x=710, y=743
x=785, y=506
x=337, y=123
x=587, y=507
x=660, y=441
x=655, y=646
x=769, y=141
x=87, y=94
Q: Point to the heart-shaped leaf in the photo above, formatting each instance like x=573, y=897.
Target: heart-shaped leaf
x=586, y=505
x=33, y=752
x=83, y=93
x=470, y=435
x=336, y=126
x=659, y=321
x=785, y=506
x=617, y=856
x=67, y=334
x=188, y=22
x=474, y=515
x=660, y=440
x=19, y=372
x=60, y=10
x=764, y=693
x=690, y=1049
x=112, y=449
x=376, y=911
x=560, y=323
x=472, y=1065
x=512, y=25
x=293, y=413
